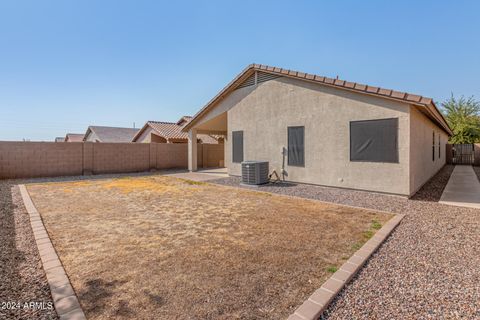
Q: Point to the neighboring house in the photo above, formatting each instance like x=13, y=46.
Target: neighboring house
x=59, y=139
x=109, y=134
x=170, y=132
x=74, y=137
x=325, y=131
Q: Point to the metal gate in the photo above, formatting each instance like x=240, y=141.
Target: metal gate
x=463, y=153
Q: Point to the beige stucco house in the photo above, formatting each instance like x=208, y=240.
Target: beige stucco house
x=325, y=131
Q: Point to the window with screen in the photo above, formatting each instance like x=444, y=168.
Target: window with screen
x=374, y=140
x=296, y=146
x=237, y=146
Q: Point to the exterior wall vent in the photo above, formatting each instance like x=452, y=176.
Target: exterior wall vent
x=250, y=81
x=263, y=76
x=257, y=78
x=254, y=172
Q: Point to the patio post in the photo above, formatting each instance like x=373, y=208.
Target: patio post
x=192, y=150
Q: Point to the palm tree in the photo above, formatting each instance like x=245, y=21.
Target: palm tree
x=463, y=118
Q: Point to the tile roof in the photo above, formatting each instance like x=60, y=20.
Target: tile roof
x=341, y=84
x=184, y=119
x=112, y=134
x=74, y=137
x=172, y=130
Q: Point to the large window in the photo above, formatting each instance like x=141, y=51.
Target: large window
x=296, y=146
x=237, y=146
x=374, y=140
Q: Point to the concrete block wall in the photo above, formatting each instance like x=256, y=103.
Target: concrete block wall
x=40, y=159
x=171, y=155
x=212, y=155
x=51, y=159
x=120, y=157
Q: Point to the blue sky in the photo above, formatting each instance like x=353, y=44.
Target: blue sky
x=67, y=64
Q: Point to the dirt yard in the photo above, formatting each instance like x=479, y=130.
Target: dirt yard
x=161, y=247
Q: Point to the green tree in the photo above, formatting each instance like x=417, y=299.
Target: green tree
x=463, y=118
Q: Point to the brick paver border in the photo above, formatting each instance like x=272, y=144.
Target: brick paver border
x=318, y=302
x=64, y=298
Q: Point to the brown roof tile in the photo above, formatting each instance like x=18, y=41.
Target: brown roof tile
x=413, y=97
x=385, y=92
x=349, y=84
x=359, y=86
x=398, y=94
x=329, y=80
x=172, y=130
x=426, y=100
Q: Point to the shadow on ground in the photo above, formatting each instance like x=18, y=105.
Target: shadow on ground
x=433, y=189
x=97, y=295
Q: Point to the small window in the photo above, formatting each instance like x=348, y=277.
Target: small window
x=439, y=146
x=296, y=146
x=433, y=146
x=374, y=140
x=237, y=146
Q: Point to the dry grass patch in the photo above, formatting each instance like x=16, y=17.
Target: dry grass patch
x=168, y=248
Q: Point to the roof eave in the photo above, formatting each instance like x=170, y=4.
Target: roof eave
x=135, y=137
x=89, y=129
x=403, y=97
x=244, y=74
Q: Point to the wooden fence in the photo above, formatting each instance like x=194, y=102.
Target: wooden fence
x=466, y=154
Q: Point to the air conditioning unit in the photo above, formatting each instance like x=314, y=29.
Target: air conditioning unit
x=254, y=172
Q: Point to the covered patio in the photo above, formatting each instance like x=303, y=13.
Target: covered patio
x=213, y=123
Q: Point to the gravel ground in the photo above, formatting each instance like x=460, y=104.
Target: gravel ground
x=22, y=279
x=427, y=269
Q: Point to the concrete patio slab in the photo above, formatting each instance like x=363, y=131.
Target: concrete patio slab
x=200, y=175
x=462, y=189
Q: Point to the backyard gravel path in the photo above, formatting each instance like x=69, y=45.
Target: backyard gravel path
x=427, y=269
x=22, y=279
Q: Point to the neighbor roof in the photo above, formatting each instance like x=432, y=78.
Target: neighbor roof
x=74, y=137
x=171, y=130
x=184, y=119
x=112, y=134
x=427, y=103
